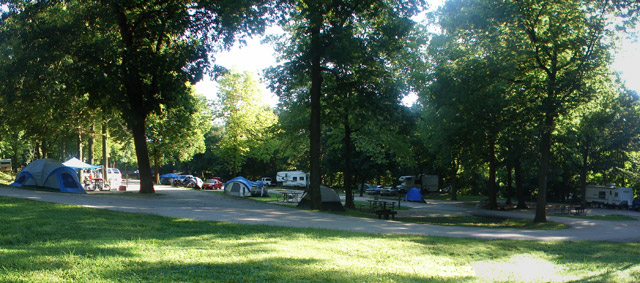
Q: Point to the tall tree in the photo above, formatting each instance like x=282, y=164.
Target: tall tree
x=315, y=28
x=135, y=56
x=246, y=119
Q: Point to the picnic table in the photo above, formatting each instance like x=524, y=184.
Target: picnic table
x=383, y=208
x=291, y=196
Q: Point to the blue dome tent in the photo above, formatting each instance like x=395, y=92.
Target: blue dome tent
x=49, y=173
x=414, y=195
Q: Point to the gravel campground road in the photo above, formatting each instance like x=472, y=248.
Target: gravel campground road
x=182, y=203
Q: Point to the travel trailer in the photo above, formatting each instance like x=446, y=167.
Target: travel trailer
x=609, y=196
x=5, y=165
x=429, y=183
x=292, y=179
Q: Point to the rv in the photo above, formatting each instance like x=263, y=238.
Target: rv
x=428, y=183
x=5, y=165
x=609, y=196
x=293, y=178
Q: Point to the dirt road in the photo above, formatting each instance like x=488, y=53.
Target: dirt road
x=181, y=203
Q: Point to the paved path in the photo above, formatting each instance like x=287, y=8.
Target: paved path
x=181, y=203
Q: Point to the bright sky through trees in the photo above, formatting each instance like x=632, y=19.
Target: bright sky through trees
x=255, y=56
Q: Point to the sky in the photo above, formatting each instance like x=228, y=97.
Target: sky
x=254, y=57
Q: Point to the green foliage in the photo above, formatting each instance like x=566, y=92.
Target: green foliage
x=246, y=120
x=177, y=134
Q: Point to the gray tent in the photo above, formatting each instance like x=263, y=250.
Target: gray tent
x=330, y=200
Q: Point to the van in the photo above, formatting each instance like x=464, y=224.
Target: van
x=114, y=178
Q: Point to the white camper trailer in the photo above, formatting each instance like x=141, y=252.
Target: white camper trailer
x=293, y=178
x=427, y=182
x=609, y=196
x=5, y=165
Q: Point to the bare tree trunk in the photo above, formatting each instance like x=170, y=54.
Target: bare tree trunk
x=315, y=125
x=493, y=194
x=80, y=155
x=545, y=153
x=517, y=171
x=92, y=140
x=509, y=189
x=105, y=152
x=347, y=163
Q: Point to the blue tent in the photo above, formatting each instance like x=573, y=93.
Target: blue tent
x=241, y=187
x=414, y=195
x=170, y=175
x=51, y=174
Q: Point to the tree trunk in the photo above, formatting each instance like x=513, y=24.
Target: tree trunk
x=142, y=154
x=92, y=140
x=156, y=167
x=80, y=155
x=105, y=152
x=347, y=163
x=63, y=149
x=493, y=195
x=583, y=176
x=520, y=194
x=509, y=189
x=545, y=153
x=315, y=123
x=454, y=180
x=137, y=114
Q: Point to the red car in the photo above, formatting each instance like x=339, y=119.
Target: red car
x=212, y=184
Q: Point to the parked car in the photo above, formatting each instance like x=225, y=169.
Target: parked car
x=389, y=191
x=401, y=189
x=374, y=190
x=212, y=184
x=182, y=180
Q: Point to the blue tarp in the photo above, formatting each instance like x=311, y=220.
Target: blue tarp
x=414, y=195
x=170, y=175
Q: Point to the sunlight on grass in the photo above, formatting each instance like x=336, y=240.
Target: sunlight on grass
x=43, y=242
x=521, y=268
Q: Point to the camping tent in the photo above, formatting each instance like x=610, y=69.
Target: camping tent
x=241, y=187
x=330, y=200
x=170, y=175
x=414, y=195
x=51, y=174
x=76, y=163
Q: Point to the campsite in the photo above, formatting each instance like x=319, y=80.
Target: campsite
x=320, y=141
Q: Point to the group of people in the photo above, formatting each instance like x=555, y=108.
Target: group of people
x=92, y=179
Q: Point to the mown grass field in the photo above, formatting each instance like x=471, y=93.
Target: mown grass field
x=43, y=242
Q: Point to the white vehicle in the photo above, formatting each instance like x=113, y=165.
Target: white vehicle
x=5, y=165
x=266, y=181
x=114, y=178
x=293, y=178
x=609, y=196
x=427, y=182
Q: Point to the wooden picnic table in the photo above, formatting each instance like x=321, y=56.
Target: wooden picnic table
x=383, y=208
x=291, y=196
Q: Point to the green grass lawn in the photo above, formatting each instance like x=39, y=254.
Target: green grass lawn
x=43, y=242
x=486, y=222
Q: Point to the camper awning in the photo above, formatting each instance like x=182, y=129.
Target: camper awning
x=75, y=163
